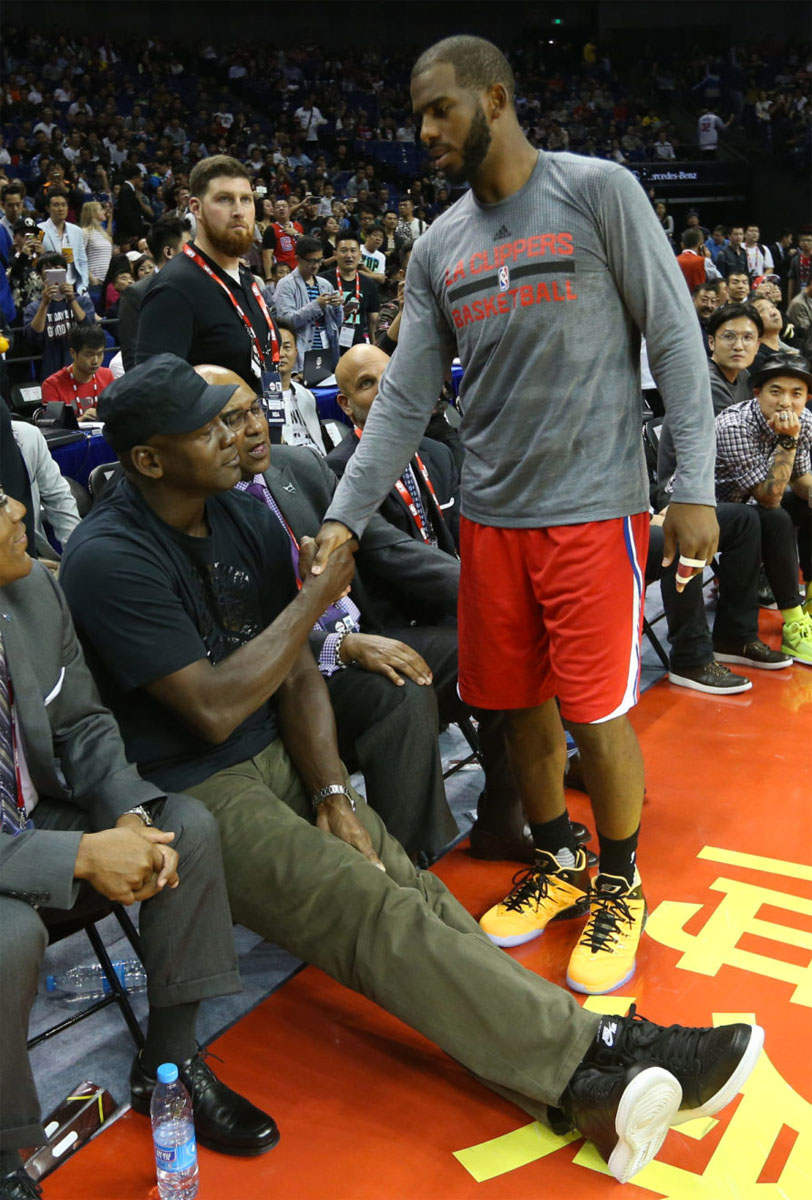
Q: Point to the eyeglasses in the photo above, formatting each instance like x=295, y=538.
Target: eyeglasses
x=730, y=339
x=313, y=262
x=236, y=420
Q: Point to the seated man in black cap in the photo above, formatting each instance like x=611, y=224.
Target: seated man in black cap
x=199, y=634
x=75, y=817
x=764, y=457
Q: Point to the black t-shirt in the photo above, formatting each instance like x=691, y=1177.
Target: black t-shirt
x=368, y=297
x=184, y=312
x=148, y=600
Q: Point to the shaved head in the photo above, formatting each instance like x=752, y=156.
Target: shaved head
x=358, y=376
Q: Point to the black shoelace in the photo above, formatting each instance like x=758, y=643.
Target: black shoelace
x=676, y=1043
x=607, y=913
x=528, y=884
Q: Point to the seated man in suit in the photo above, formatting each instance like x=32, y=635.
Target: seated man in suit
x=424, y=501
x=73, y=810
x=199, y=636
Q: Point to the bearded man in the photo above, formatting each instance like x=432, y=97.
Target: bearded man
x=205, y=305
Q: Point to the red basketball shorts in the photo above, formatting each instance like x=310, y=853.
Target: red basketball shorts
x=553, y=612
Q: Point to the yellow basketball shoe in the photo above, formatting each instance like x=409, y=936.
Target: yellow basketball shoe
x=542, y=893
x=605, y=957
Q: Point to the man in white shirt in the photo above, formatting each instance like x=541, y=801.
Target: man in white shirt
x=373, y=261
x=309, y=118
x=61, y=236
x=409, y=225
x=759, y=259
x=707, y=132
x=302, y=426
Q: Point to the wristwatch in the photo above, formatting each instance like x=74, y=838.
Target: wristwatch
x=332, y=789
x=139, y=811
x=786, y=442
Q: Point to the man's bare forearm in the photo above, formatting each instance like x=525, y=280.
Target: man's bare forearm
x=308, y=726
x=770, y=492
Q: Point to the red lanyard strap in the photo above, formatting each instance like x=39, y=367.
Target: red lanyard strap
x=345, y=286
x=204, y=266
x=406, y=495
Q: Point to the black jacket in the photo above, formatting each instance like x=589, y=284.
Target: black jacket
x=442, y=470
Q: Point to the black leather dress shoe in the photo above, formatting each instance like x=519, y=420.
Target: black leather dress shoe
x=495, y=847
x=224, y=1121
x=19, y=1186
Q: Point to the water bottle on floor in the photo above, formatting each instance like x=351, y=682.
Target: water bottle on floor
x=173, y=1134
x=88, y=981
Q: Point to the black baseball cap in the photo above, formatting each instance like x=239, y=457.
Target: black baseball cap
x=783, y=364
x=25, y=225
x=162, y=395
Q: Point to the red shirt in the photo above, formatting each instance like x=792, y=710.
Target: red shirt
x=62, y=386
x=282, y=243
x=692, y=267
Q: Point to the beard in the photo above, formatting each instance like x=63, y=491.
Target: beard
x=474, y=150
x=234, y=242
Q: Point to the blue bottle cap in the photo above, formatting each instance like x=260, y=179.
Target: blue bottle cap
x=167, y=1073
x=50, y=983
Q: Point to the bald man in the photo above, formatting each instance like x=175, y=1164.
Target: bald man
x=424, y=501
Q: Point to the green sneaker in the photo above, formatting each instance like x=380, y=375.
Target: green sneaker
x=797, y=639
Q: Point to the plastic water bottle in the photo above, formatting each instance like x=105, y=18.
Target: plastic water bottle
x=89, y=982
x=173, y=1134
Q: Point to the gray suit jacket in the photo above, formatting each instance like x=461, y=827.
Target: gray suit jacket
x=72, y=746
x=397, y=580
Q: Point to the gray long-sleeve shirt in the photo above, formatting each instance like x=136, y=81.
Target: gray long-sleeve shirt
x=544, y=296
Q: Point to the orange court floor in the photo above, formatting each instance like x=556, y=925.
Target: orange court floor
x=368, y=1110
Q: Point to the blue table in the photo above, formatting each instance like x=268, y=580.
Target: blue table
x=77, y=459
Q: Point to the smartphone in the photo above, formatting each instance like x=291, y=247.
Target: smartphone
x=55, y=276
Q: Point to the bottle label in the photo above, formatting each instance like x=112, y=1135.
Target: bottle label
x=176, y=1158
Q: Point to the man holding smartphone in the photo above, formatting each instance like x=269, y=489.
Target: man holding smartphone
x=49, y=320
x=311, y=303
x=359, y=292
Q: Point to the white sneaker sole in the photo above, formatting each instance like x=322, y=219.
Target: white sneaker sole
x=734, y=1084
x=805, y=662
x=684, y=681
x=749, y=662
x=647, y=1110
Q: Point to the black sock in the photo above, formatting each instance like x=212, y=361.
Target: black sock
x=170, y=1036
x=10, y=1162
x=618, y=855
x=555, y=836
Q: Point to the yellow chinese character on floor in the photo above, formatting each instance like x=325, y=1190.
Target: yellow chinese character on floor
x=716, y=944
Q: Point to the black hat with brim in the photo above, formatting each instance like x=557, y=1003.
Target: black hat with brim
x=783, y=364
x=164, y=395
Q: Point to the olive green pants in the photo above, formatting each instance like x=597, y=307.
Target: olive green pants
x=398, y=937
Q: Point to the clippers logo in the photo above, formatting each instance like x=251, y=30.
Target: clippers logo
x=504, y=278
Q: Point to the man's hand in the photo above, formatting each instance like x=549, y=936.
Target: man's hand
x=168, y=875
x=50, y=293
x=127, y=864
x=335, y=816
x=88, y=415
x=337, y=574
x=785, y=423
x=315, y=553
x=694, y=528
x=68, y=290
x=385, y=656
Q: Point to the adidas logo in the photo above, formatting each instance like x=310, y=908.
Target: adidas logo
x=502, y=232
x=608, y=1032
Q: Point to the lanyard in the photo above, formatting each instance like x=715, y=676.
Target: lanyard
x=406, y=496
x=204, y=266
x=81, y=401
x=348, y=286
